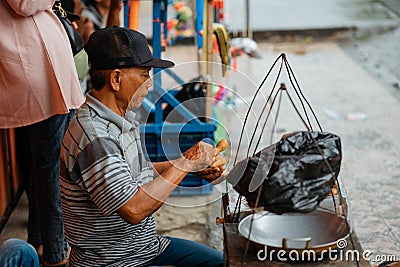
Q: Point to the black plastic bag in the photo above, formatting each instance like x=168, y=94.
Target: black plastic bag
x=296, y=173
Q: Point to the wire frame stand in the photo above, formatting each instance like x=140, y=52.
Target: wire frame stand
x=274, y=99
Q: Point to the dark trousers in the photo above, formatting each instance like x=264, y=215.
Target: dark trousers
x=39, y=159
x=183, y=253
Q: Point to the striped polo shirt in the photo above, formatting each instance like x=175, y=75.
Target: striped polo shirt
x=102, y=165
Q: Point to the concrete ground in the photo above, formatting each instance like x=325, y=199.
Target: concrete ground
x=349, y=98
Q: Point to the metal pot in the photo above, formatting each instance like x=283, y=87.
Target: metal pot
x=318, y=230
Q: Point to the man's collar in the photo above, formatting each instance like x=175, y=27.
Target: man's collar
x=125, y=124
x=131, y=117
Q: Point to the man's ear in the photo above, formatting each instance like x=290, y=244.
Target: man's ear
x=115, y=79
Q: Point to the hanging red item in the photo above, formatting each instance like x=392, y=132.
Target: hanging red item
x=219, y=6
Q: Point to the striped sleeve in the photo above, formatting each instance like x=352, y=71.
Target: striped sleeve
x=106, y=175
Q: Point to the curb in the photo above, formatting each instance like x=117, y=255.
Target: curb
x=323, y=33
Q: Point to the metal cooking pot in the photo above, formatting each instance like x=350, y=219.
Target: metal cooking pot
x=318, y=230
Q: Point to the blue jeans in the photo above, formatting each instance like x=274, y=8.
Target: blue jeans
x=39, y=156
x=183, y=253
x=15, y=252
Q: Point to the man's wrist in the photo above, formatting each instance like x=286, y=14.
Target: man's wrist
x=183, y=164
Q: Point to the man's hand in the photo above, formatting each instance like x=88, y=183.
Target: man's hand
x=217, y=166
x=198, y=157
x=211, y=173
x=203, y=160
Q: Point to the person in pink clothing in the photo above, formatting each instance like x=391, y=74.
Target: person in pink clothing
x=39, y=91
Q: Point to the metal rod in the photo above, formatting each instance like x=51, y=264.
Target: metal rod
x=265, y=106
x=252, y=102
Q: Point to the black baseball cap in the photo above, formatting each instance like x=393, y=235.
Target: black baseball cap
x=118, y=47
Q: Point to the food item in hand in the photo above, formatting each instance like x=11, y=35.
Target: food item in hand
x=221, y=146
x=218, y=161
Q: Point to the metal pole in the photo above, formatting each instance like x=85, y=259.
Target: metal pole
x=248, y=33
x=207, y=50
x=156, y=42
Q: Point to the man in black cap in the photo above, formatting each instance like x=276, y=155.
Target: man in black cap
x=109, y=191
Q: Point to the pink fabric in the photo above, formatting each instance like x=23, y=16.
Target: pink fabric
x=38, y=78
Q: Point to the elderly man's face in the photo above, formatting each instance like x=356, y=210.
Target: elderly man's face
x=135, y=84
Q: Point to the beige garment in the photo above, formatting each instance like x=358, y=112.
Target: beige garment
x=38, y=78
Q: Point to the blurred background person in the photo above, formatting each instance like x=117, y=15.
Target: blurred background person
x=97, y=14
